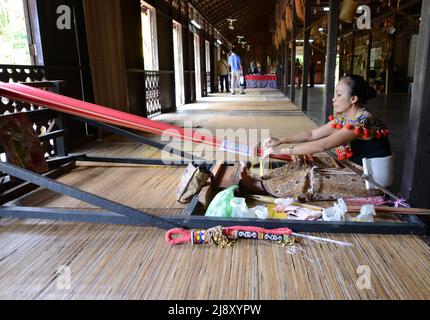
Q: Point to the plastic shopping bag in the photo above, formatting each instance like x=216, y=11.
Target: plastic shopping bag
x=220, y=205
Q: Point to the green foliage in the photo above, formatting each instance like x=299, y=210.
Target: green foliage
x=13, y=34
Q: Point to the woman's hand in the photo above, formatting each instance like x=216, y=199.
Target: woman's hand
x=271, y=142
x=268, y=151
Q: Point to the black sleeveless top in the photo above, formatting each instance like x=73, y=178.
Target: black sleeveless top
x=375, y=148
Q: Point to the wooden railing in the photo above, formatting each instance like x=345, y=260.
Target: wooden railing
x=152, y=90
x=47, y=124
x=21, y=73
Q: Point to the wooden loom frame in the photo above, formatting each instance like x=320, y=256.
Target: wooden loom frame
x=117, y=213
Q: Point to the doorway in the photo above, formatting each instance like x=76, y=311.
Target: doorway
x=179, y=64
x=197, y=66
x=208, y=66
x=149, y=35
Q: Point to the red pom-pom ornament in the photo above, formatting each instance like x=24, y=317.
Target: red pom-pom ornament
x=365, y=133
x=357, y=131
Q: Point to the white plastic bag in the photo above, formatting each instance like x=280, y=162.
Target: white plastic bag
x=367, y=213
x=335, y=213
x=282, y=203
x=260, y=212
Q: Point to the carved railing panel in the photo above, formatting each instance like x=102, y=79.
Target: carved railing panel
x=152, y=89
x=19, y=73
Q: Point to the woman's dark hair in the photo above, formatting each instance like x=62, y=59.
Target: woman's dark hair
x=360, y=88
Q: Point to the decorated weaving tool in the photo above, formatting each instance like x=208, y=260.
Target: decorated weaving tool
x=226, y=236
x=222, y=237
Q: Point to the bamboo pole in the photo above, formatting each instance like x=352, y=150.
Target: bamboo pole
x=393, y=210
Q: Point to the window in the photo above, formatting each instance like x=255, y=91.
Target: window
x=179, y=63
x=14, y=44
x=208, y=56
x=197, y=66
x=149, y=33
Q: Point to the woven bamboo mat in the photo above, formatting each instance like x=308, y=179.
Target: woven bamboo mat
x=123, y=262
x=126, y=262
x=135, y=186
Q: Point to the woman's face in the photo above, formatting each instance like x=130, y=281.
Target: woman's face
x=342, y=100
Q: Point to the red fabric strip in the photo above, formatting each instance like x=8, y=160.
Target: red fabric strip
x=92, y=111
x=258, y=77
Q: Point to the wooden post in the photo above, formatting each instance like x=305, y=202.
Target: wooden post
x=390, y=63
x=330, y=70
x=416, y=171
x=369, y=50
x=202, y=45
x=351, y=67
x=133, y=58
x=286, y=68
x=104, y=28
x=306, y=49
x=342, y=57
x=193, y=88
x=212, y=57
x=166, y=60
x=293, y=54
x=188, y=60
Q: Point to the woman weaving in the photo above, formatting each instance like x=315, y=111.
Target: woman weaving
x=355, y=134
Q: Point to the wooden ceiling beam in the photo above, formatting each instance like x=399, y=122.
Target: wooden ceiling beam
x=235, y=11
x=247, y=12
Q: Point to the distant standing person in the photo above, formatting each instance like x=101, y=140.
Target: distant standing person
x=298, y=73
x=235, y=64
x=222, y=66
x=259, y=68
